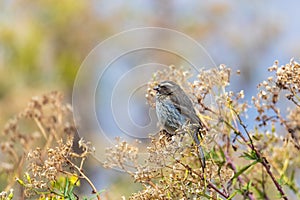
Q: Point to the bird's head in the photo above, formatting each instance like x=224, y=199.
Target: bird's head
x=166, y=88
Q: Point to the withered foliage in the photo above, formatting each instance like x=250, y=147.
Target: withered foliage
x=246, y=158
x=38, y=147
x=242, y=161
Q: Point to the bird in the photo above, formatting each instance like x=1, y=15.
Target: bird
x=175, y=111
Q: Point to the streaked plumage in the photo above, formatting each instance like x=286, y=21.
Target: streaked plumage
x=175, y=110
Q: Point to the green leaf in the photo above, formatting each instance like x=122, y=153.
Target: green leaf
x=232, y=195
x=244, y=169
x=250, y=156
x=66, y=189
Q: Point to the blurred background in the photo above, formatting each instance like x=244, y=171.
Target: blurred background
x=42, y=44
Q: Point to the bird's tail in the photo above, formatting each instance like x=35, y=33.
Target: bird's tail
x=200, y=149
x=201, y=156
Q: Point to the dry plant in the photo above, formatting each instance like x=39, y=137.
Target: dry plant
x=242, y=162
x=257, y=162
x=38, y=148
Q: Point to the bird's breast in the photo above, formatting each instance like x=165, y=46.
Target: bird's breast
x=168, y=115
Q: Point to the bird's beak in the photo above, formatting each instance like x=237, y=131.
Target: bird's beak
x=156, y=88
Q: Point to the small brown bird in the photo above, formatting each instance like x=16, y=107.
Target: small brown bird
x=175, y=110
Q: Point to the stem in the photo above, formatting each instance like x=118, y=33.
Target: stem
x=38, y=123
x=86, y=178
x=278, y=186
x=209, y=184
x=286, y=126
x=232, y=166
x=262, y=159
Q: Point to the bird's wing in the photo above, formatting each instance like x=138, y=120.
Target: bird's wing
x=185, y=107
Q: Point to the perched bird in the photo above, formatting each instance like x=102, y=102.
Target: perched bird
x=175, y=111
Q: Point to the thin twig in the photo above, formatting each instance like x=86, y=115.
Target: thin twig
x=286, y=126
x=263, y=184
x=209, y=184
x=86, y=178
x=38, y=123
x=262, y=159
x=233, y=167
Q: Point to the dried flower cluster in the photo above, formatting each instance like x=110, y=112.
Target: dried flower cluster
x=45, y=169
x=241, y=162
x=39, y=149
x=287, y=78
x=44, y=119
x=44, y=116
x=285, y=83
x=172, y=169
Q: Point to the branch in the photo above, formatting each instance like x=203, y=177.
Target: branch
x=261, y=159
x=232, y=166
x=86, y=178
x=209, y=184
